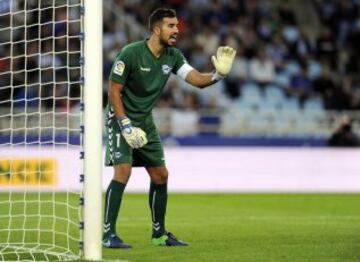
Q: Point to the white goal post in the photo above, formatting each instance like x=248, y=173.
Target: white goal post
x=50, y=125
x=93, y=129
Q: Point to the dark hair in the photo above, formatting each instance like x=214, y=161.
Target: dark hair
x=158, y=14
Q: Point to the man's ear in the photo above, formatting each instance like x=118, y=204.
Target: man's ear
x=157, y=29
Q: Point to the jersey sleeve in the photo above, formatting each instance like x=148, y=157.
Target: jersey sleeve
x=179, y=60
x=121, y=67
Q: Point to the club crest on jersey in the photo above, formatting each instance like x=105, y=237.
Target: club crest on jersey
x=118, y=155
x=119, y=68
x=166, y=69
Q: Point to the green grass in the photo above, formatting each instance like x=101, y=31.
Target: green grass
x=57, y=215
x=245, y=227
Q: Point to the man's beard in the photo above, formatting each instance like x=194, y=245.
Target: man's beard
x=165, y=42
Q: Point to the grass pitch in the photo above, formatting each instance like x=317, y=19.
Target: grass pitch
x=246, y=227
x=238, y=227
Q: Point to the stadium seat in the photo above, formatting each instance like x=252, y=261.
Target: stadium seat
x=282, y=79
x=258, y=124
x=273, y=95
x=285, y=121
x=291, y=103
x=184, y=123
x=291, y=33
x=314, y=103
x=233, y=121
x=293, y=68
x=314, y=69
x=314, y=110
x=250, y=90
x=250, y=96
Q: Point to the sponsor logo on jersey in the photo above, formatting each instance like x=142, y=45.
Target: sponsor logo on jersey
x=166, y=69
x=119, y=68
x=145, y=69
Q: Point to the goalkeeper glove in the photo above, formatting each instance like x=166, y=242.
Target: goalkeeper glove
x=134, y=136
x=223, y=61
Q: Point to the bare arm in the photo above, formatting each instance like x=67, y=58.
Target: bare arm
x=114, y=94
x=200, y=80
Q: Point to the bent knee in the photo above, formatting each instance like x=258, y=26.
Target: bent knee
x=164, y=176
x=122, y=173
x=159, y=175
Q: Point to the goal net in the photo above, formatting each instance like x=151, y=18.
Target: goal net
x=40, y=129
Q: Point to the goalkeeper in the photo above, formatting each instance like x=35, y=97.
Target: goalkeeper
x=137, y=78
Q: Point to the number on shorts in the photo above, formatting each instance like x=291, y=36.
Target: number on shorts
x=117, y=140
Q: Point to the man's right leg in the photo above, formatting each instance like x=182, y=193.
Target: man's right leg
x=113, y=198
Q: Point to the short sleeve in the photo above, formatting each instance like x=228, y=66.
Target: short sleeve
x=179, y=60
x=121, y=67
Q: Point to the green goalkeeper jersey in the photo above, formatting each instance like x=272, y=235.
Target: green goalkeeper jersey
x=143, y=76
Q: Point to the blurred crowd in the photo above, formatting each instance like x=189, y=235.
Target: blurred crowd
x=40, y=54
x=273, y=48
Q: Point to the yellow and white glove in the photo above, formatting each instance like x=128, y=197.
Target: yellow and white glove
x=223, y=61
x=134, y=136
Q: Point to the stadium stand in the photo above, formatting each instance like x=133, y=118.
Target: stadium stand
x=292, y=77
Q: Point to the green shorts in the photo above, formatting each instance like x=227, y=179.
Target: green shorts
x=118, y=151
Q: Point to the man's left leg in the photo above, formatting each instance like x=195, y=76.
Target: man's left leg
x=158, y=203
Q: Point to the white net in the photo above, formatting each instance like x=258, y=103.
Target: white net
x=40, y=129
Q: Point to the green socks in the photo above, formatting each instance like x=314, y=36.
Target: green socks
x=112, y=205
x=157, y=202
